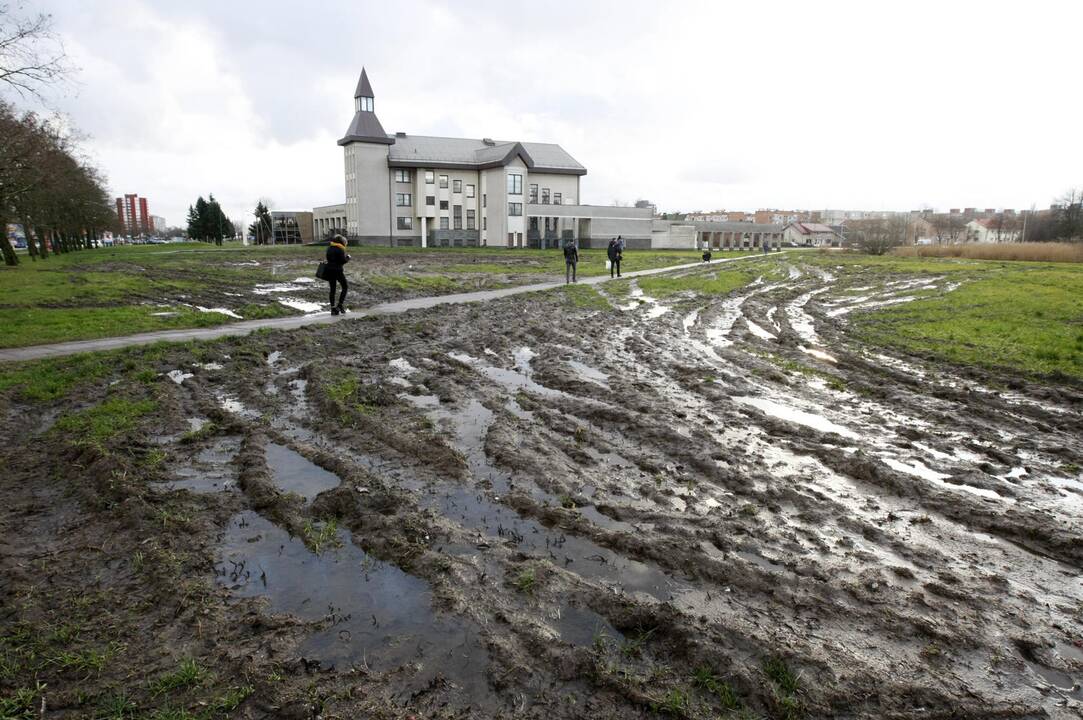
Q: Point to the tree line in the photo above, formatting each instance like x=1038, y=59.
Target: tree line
x=59, y=199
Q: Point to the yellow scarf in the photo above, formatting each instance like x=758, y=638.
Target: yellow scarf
x=338, y=245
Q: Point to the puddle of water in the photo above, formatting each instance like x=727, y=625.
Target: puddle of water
x=759, y=331
x=221, y=311
x=423, y=402
x=378, y=614
x=210, y=471
x=921, y=470
x=758, y=560
x=785, y=412
x=1070, y=652
x=277, y=288
x=1060, y=680
x=511, y=380
x=602, y=520
x=210, y=366
x=586, y=372
x=402, y=366
x=817, y=353
x=1015, y=472
x=178, y=376
x=580, y=626
x=771, y=318
x=235, y=406
x=690, y=320
x=294, y=473
x=273, y=357
x=305, y=306
x=165, y=314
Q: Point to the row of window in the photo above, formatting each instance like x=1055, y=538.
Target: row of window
x=404, y=176
x=557, y=197
x=407, y=223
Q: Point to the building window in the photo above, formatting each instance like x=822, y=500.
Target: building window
x=443, y=181
x=430, y=200
x=515, y=184
x=443, y=204
x=363, y=103
x=545, y=196
x=430, y=177
x=458, y=215
x=556, y=198
x=457, y=186
x=443, y=223
x=485, y=223
x=404, y=199
x=533, y=194
x=470, y=219
x=470, y=191
x=484, y=198
x=406, y=223
x=402, y=176
x=515, y=209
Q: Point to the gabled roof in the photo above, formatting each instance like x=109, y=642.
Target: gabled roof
x=468, y=153
x=810, y=228
x=364, y=89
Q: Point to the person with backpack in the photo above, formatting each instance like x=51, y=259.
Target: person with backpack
x=613, y=252
x=337, y=257
x=571, y=259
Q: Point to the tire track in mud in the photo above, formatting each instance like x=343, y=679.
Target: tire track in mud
x=726, y=533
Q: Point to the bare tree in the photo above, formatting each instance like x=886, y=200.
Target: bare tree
x=31, y=54
x=876, y=236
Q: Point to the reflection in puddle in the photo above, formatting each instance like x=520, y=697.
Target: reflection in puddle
x=294, y=473
x=759, y=331
x=583, y=626
x=589, y=374
x=210, y=471
x=378, y=614
x=305, y=306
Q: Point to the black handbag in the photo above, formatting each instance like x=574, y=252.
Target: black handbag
x=321, y=271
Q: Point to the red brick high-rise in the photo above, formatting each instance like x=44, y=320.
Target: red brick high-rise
x=134, y=215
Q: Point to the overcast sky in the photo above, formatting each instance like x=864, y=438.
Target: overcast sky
x=812, y=105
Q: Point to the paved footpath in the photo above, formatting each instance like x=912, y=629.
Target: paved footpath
x=37, y=352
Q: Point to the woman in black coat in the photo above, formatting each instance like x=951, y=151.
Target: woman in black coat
x=336, y=259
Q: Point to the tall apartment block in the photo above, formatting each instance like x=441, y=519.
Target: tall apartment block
x=134, y=215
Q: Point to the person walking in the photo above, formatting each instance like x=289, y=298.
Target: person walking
x=611, y=253
x=337, y=257
x=571, y=259
x=620, y=253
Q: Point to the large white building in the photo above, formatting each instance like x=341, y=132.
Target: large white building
x=418, y=190
x=436, y=191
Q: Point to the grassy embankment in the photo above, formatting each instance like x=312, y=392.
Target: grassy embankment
x=1019, y=316
x=1034, y=252
x=132, y=289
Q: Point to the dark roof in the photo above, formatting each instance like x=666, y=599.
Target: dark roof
x=364, y=89
x=366, y=128
x=468, y=153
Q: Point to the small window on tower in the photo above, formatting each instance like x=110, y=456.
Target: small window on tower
x=366, y=104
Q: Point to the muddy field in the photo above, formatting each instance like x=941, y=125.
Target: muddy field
x=685, y=506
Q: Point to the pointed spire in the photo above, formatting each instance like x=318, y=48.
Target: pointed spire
x=364, y=89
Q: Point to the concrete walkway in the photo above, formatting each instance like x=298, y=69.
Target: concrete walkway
x=37, y=352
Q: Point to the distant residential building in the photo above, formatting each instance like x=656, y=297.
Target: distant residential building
x=991, y=230
x=134, y=215
x=810, y=234
x=291, y=227
x=157, y=223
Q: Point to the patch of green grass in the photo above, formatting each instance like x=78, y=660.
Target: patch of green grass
x=116, y=706
x=1018, y=316
x=633, y=646
x=584, y=296
x=674, y=702
x=423, y=284
x=526, y=580
x=708, y=282
x=318, y=536
x=24, y=703
x=232, y=698
x=37, y=326
x=188, y=674
x=778, y=672
x=208, y=429
x=342, y=387
x=101, y=423
x=43, y=380
x=705, y=679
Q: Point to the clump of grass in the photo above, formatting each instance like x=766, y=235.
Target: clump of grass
x=526, y=580
x=97, y=425
x=232, y=698
x=748, y=510
x=633, y=647
x=785, y=683
x=44, y=380
x=188, y=674
x=704, y=678
x=320, y=535
x=674, y=702
x=193, y=436
x=23, y=704
x=584, y=297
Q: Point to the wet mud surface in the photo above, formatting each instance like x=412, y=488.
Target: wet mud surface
x=686, y=507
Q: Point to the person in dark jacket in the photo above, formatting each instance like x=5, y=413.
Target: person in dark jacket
x=571, y=259
x=337, y=258
x=613, y=252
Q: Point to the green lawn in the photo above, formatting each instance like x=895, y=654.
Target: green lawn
x=1011, y=315
x=140, y=288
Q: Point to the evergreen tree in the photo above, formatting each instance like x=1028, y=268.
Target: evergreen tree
x=261, y=230
x=193, y=223
x=201, y=219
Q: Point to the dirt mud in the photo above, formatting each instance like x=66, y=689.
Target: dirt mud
x=676, y=507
